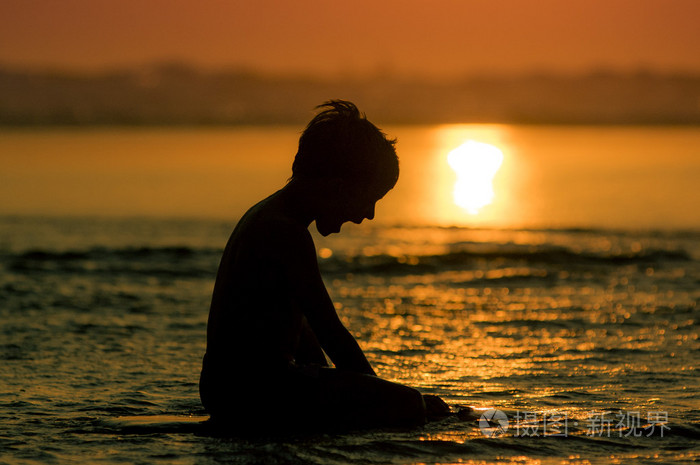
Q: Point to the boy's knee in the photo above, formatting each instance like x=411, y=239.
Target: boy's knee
x=413, y=405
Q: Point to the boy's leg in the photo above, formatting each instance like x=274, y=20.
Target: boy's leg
x=435, y=408
x=346, y=399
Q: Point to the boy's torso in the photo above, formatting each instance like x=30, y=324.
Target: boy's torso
x=254, y=320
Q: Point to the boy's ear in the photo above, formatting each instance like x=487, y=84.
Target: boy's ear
x=334, y=186
x=341, y=184
x=329, y=189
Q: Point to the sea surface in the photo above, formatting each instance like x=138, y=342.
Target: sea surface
x=106, y=318
x=577, y=336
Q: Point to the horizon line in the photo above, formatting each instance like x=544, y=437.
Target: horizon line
x=165, y=65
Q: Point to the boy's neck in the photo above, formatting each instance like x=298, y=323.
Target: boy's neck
x=302, y=199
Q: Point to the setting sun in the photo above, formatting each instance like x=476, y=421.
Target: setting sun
x=476, y=164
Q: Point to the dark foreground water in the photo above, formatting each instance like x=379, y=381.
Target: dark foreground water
x=585, y=341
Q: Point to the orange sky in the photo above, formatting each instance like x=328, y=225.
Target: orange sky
x=430, y=37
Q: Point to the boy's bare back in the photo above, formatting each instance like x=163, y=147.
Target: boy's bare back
x=253, y=294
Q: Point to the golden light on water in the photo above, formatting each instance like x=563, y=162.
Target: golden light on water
x=475, y=164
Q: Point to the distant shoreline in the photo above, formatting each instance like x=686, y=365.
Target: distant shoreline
x=178, y=95
x=223, y=126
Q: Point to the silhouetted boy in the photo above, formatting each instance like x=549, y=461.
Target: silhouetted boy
x=271, y=318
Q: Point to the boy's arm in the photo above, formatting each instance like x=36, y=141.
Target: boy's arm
x=308, y=288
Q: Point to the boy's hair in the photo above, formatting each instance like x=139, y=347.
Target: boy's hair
x=341, y=142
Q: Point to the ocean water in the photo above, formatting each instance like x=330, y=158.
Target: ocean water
x=566, y=311
x=585, y=339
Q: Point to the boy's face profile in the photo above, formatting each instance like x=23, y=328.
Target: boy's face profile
x=351, y=203
x=347, y=162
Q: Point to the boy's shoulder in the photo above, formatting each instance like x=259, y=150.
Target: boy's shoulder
x=270, y=215
x=269, y=223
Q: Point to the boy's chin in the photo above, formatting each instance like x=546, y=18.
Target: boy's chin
x=326, y=229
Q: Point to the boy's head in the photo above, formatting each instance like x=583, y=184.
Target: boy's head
x=341, y=143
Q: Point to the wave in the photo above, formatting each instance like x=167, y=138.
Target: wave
x=170, y=261
x=203, y=262
x=472, y=256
